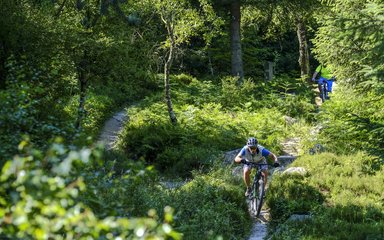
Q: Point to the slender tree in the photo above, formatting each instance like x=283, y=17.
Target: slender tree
x=301, y=30
x=296, y=13
x=90, y=13
x=181, y=22
x=235, y=34
x=168, y=20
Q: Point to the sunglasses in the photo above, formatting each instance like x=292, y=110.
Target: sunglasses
x=253, y=148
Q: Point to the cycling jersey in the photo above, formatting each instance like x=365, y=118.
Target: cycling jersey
x=257, y=157
x=325, y=73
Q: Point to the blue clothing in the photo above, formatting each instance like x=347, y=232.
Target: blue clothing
x=329, y=83
x=258, y=157
x=244, y=152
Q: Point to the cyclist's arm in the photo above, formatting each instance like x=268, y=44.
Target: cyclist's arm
x=267, y=153
x=240, y=156
x=273, y=156
x=314, y=76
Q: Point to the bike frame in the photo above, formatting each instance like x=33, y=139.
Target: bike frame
x=256, y=198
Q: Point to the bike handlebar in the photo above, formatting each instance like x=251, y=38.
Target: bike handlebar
x=253, y=164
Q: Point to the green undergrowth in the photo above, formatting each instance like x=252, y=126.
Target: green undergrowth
x=212, y=118
x=352, y=121
x=212, y=205
x=202, y=134
x=42, y=197
x=343, y=194
x=207, y=206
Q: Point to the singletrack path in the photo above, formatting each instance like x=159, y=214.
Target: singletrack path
x=111, y=129
x=113, y=126
x=260, y=226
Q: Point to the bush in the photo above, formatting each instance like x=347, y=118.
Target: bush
x=341, y=192
x=39, y=200
x=212, y=205
x=353, y=121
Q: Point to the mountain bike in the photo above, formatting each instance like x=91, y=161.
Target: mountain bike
x=256, y=197
x=323, y=91
x=323, y=88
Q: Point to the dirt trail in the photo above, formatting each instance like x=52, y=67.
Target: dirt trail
x=111, y=129
x=260, y=226
x=113, y=126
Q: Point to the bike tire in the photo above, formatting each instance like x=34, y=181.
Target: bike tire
x=253, y=200
x=259, y=198
x=322, y=93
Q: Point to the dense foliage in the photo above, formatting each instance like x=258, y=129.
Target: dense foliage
x=51, y=58
x=66, y=66
x=342, y=194
x=39, y=200
x=212, y=118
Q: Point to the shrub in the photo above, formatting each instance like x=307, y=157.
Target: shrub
x=39, y=200
x=212, y=205
x=353, y=121
x=235, y=95
x=344, y=198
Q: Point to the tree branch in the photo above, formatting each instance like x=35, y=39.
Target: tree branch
x=60, y=9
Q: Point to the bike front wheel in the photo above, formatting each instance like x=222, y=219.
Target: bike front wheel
x=257, y=197
x=322, y=93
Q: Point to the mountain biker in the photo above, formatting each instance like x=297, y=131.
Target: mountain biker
x=253, y=152
x=325, y=77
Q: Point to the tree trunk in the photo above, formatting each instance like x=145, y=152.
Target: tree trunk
x=303, y=49
x=3, y=58
x=167, y=69
x=236, y=60
x=210, y=63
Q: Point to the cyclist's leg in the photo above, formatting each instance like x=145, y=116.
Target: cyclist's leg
x=330, y=84
x=320, y=86
x=246, y=175
x=326, y=88
x=264, y=172
x=265, y=177
x=246, y=178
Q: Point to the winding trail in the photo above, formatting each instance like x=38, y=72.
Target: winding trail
x=111, y=129
x=290, y=153
x=113, y=126
x=260, y=226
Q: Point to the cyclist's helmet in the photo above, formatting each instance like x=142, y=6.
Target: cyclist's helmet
x=252, y=142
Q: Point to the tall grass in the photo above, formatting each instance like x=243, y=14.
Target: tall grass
x=212, y=118
x=205, y=129
x=343, y=193
x=353, y=121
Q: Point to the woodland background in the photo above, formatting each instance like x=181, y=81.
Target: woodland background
x=192, y=75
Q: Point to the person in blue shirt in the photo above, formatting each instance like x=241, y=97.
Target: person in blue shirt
x=253, y=152
x=325, y=76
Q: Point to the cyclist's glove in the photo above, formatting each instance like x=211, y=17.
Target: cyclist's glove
x=276, y=164
x=243, y=161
